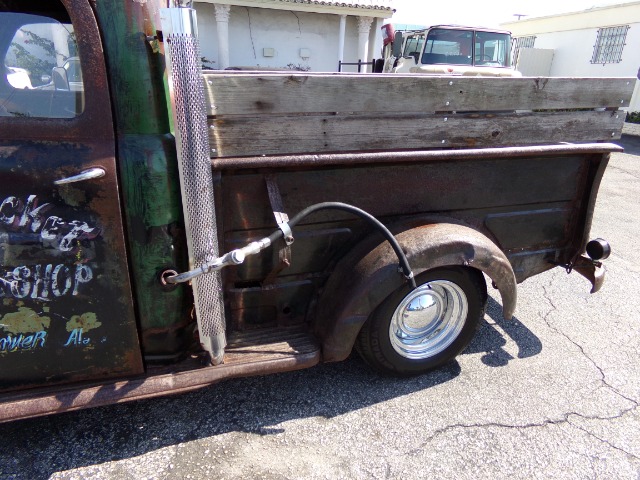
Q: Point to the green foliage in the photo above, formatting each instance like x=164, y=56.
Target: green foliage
x=299, y=67
x=207, y=64
x=36, y=66
x=633, y=117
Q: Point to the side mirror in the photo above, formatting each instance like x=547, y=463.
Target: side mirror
x=60, y=79
x=397, y=45
x=45, y=79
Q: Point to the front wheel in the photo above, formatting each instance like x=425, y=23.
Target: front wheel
x=414, y=331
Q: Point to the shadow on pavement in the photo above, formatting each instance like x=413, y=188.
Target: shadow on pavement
x=631, y=144
x=37, y=448
x=490, y=340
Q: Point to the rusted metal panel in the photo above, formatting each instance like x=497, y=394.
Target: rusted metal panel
x=146, y=156
x=530, y=201
x=257, y=353
x=410, y=188
x=67, y=311
x=328, y=159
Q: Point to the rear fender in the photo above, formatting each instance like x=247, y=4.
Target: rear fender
x=366, y=276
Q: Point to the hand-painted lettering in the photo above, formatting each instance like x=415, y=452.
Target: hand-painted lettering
x=83, y=275
x=9, y=210
x=32, y=214
x=21, y=286
x=12, y=343
x=60, y=283
x=76, y=338
x=44, y=282
x=64, y=235
x=41, y=281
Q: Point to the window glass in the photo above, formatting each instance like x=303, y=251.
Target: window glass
x=492, y=49
x=413, y=46
x=41, y=76
x=452, y=47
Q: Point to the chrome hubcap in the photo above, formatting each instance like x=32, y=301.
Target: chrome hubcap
x=428, y=319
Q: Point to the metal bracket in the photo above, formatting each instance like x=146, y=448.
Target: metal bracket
x=282, y=219
x=286, y=231
x=592, y=270
x=278, y=209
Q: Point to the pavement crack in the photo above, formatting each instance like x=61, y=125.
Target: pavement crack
x=565, y=419
x=603, y=377
x=464, y=426
x=603, y=440
x=387, y=470
x=613, y=167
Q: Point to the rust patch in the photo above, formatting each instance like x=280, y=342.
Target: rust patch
x=24, y=320
x=87, y=322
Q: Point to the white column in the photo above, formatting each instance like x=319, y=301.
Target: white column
x=222, y=23
x=60, y=37
x=364, y=25
x=343, y=27
x=376, y=39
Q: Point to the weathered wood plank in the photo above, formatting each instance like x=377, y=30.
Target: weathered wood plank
x=288, y=134
x=250, y=94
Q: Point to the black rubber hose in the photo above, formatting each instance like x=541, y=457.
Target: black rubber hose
x=345, y=207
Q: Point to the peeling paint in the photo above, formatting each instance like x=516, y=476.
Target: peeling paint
x=25, y=320
x=87, y=321
x=72, y=196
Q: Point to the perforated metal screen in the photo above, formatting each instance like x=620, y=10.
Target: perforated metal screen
x=196, y=180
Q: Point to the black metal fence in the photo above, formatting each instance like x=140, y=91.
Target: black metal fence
x=376, y=65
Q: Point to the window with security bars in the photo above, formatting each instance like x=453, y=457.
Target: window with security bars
x=609, y=44
x=518, y=44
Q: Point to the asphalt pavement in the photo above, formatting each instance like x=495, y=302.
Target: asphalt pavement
x=552, y=394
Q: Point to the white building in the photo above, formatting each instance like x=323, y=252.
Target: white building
x=598, y=42
x=305, y=34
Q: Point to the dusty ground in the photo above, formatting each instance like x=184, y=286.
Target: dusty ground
x=553, y=394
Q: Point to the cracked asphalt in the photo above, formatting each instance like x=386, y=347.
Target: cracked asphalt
x=552, y=394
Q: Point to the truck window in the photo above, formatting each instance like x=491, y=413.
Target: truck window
x=413, y=46
x=492, y=49
x=41, y=74
x=451, y=47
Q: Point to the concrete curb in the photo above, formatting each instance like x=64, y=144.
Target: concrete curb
x=631, y=129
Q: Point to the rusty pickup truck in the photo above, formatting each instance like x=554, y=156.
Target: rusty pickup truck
x=163, y=228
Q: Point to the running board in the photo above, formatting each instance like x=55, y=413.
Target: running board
x=253, y=353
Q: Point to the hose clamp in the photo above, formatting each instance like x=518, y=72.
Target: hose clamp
x=286, y=231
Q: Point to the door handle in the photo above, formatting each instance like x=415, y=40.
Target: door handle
x=89, y=174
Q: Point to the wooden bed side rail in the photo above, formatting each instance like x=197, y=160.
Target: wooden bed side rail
x=291, y=113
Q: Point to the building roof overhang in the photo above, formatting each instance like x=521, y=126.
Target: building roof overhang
x=595, y=17
x=366, y=8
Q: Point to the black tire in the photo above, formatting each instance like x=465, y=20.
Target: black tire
x=456, y=296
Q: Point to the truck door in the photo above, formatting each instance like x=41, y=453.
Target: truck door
x=66, y=311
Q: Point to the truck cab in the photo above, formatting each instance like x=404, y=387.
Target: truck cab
x=449, y=50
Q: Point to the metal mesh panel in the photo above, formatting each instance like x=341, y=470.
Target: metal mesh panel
x=609, y=44
x=196, y=179
x=518, y=44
